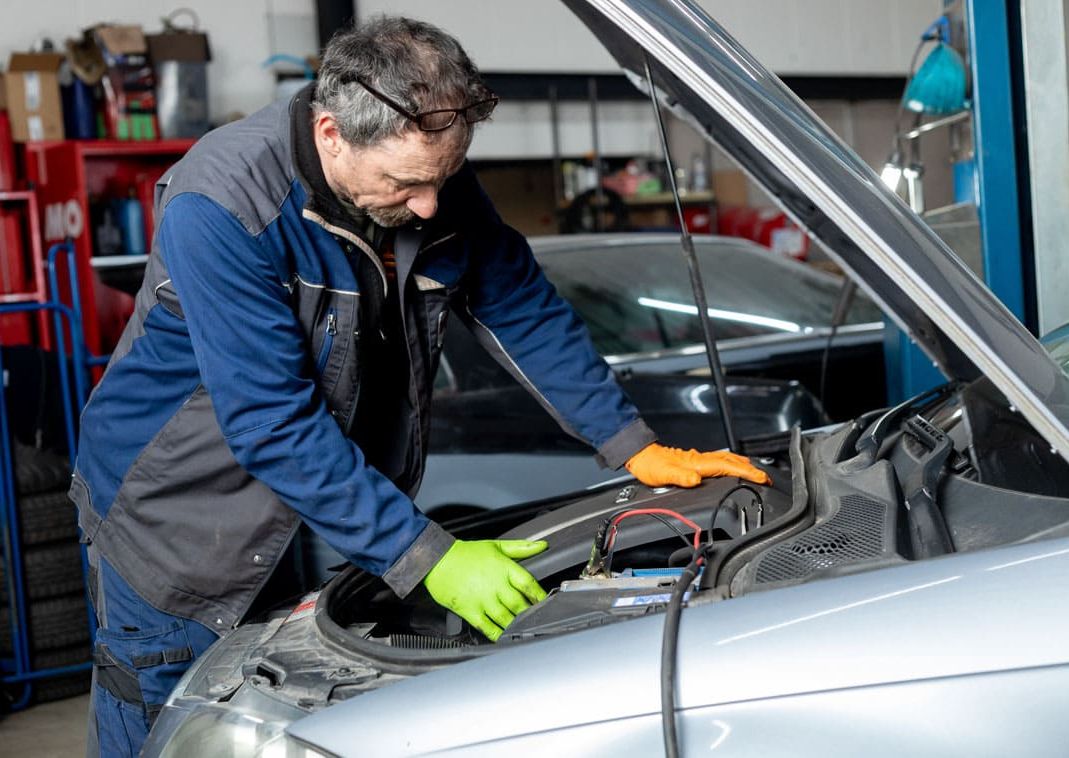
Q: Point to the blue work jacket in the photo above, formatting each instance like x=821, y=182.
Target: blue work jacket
x=231, y=407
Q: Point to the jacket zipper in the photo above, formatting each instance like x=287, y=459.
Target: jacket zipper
x=328, y=341
x=441, y=330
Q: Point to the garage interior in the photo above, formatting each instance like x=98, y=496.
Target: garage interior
x=100, y=99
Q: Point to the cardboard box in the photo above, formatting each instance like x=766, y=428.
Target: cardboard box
x=730, y=187
x=183, y=46
x=119, y=41
x=31, y=85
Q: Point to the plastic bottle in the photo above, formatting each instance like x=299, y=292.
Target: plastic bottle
x=132, y=223
x=108, y=235
x=699, y=175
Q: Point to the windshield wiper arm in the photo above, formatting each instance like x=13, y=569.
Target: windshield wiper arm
x=868, y=444
x=928, y=533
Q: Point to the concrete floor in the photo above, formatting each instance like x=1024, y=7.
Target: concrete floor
x=50, y=730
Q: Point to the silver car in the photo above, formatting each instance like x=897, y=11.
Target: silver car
x=899, y=589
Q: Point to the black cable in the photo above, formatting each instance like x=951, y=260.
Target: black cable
x=670, y=524
x=669, y=644
x=838, y=316
x=824, y=362
x=709, y=579
x=602, y=536
x=909, y=78
x=737, y=488
x=673, y=616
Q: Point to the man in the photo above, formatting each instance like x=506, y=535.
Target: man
x=281, y=357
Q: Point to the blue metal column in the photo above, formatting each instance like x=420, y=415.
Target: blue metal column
x=995, y=148
x=993, y=60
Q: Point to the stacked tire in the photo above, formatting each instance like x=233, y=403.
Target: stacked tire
x=58, y=621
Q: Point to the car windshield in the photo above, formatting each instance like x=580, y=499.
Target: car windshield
x=636, y=296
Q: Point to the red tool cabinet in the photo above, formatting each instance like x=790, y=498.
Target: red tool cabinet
x=69, y=177
x=22, y=272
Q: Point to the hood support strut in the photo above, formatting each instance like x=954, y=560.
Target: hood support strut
x=712, y=353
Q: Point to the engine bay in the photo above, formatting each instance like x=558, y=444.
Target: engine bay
x=949, y=471
x=902, y=484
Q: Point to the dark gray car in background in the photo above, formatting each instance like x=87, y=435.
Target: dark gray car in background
x=492, y=444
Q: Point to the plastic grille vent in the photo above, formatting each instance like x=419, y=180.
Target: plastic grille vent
x=853, y=534
x=420, y=642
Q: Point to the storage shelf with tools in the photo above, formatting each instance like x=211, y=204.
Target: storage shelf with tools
x=99, y=193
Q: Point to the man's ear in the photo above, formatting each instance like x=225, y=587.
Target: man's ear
x=327, y=134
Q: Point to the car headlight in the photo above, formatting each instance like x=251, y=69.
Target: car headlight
x=220, y=732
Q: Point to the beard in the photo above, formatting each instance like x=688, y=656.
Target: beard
x=389, y=218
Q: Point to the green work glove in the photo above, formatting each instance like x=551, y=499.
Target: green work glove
x=482, y=583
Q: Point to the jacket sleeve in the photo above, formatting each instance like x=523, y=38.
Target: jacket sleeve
x=254, y=363
x=536, y=335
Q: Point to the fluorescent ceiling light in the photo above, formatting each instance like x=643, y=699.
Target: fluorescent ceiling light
x=745, y=318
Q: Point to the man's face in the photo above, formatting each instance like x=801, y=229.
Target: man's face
x=396, y=180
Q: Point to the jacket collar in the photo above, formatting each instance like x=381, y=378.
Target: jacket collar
x=321, y=204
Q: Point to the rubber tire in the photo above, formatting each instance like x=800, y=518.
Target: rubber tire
x=40, y=470
x=47, y=517
x=61, y=687
x=48, y=571
x=54, y=688
x=54, y=623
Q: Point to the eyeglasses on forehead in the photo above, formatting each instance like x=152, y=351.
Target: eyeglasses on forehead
x=436, y=120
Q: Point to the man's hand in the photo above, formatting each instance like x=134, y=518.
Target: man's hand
x=658, y=466
x=482, y=583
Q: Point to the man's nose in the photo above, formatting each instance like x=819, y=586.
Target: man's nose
x=424, y=203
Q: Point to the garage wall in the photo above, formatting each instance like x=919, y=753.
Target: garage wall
x=243, y=33
x=829, y=37
x=817, y=37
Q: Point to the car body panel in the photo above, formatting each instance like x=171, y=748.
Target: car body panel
x=928, y=621
x=830, y=191
x=887, y=721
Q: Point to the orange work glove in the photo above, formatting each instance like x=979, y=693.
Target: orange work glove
x=658, y=466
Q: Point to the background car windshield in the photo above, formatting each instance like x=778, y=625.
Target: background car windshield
x=636, y=297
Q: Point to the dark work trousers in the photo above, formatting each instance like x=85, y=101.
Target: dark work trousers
x=139, y=655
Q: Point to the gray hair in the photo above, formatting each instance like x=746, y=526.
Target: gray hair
x=411, y=62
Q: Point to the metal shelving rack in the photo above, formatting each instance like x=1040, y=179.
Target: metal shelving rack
x=74, y=381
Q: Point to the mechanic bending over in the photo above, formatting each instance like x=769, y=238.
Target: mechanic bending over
x=280, y=362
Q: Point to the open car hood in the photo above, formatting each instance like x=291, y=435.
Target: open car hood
x=704, y=75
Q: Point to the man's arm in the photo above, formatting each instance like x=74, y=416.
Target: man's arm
x=518, y=315
x=536, y=335
x=254, y=363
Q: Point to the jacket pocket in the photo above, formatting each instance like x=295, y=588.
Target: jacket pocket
x=330, y=331
x=329, y=319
